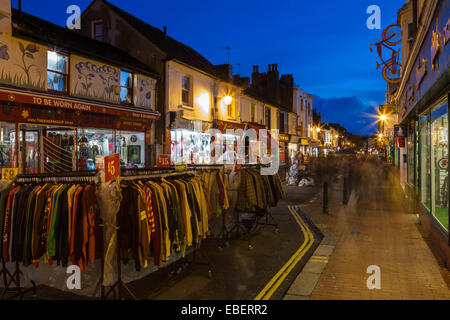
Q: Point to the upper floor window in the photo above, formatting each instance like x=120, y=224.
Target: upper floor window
x=230, y=111
x=186, y=90
x=57, y=71
x=97, y=30
x=252, y=112
x=126, y=87
x=281, y=120
x=267, y=118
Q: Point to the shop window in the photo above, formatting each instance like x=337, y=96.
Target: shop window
x=190, y=147
x=58, y=146
x=57, y=71
x=425, y=167
x=7, y=145
x=186, y=90
x=92, y=143
x=126, y=87
x=97, y=30
x=410, y=151
x=439, y=164
x=131, y=147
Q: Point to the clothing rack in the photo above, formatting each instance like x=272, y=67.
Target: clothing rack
x=259, y=215
x=135, y=174
x=75, y=176
x=68, y=177
x=13, y=283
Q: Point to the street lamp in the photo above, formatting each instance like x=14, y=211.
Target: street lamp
x=227, y=100
x=383, y=117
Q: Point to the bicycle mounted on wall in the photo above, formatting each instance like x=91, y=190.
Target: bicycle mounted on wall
x=391, y=67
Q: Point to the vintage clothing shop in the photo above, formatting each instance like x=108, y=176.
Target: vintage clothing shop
x=65, y=134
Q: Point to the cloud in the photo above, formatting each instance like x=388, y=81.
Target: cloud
x=349, y=112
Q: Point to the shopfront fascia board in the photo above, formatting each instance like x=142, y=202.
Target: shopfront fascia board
x=46, y=100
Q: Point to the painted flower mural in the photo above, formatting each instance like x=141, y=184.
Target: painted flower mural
x=96, y=81
x=28, y=52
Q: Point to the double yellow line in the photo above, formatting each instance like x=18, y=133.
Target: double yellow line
x=278, y=279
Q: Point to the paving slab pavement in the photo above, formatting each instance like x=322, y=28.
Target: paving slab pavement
x=373, y=229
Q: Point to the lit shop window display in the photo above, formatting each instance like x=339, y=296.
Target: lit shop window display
x=92, y=143
x=439, y=163
x=46, y=149
x=190, y=147
x=425, y=174
x=232, y=151
x=59, y=150
x=7, y=145
x=131, y=147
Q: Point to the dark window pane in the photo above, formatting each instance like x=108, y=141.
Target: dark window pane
x=56, y=81
x=185, y=97
x=185, y=83
x=98, y=30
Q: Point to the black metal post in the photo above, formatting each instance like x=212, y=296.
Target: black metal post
x=325, y=197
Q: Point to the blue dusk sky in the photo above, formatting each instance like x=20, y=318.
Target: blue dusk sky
x=324, y=44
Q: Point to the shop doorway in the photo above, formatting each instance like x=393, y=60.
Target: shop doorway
x=45, y=149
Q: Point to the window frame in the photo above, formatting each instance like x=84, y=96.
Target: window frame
x=132, y=75
x=231, y=111
x=252, y=112
x=66, y=75
x=93, y=36
x=189, y=103
x=268, y=117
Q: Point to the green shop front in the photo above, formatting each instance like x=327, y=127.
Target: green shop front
x=423, y=111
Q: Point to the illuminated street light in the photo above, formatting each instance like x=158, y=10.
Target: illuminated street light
x=318, y=130
x=383, y=117
x=380, y=135
x=227, y=100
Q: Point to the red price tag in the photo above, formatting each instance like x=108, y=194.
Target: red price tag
x=112, y=167
x=163, y=161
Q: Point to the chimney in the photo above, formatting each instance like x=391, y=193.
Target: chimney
x=165, y=31
x=225, y=70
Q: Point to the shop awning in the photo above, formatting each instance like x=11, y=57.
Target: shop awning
x=75, y=104
x=223, y=126
x=256, y=127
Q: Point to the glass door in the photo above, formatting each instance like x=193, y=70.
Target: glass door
x=30, y=149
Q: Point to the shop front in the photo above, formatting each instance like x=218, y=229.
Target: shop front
x=293, y=147
x=190, y=142
x=423, y=112
x=284, y=155
x=45, y=134
x=233, y=141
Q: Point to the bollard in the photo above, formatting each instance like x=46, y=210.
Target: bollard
x=325, y=197
x=345, y=192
